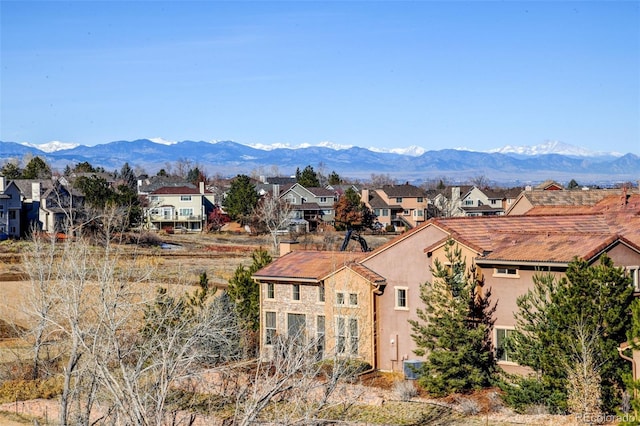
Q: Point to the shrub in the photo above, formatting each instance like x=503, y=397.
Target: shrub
x=525, y=394
x=405, y=390
x=468, y=406
x=23, y=390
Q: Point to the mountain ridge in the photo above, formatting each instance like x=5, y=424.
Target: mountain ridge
x=230, y=158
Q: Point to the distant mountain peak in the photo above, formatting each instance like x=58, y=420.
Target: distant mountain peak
x=52, y=146
x=324, y=144
x=162, y=141
x=551, y=147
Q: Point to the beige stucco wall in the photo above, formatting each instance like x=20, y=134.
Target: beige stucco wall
x=403, y=265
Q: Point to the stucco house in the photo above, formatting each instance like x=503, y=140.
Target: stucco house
x=507, y=252
x=403, y=206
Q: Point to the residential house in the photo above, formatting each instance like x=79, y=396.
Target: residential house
x=313, y=205
x=177, y=207
x=30, y=194
x=506, y=251
x=402, y=206
x=322, y=297
x=10, y=207
x=60, y=206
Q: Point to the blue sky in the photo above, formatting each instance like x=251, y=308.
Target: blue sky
x=382, y=74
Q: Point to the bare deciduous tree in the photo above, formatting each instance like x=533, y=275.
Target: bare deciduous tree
x=274, y=214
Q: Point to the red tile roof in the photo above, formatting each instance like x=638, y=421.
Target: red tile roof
x=307, y=266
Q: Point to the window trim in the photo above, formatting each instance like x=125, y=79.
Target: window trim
x=495, y=336
x=268, y=338
x=295, y=293
x=271, y=291
x=397, y=305
x=634, y=271
x=506, y=274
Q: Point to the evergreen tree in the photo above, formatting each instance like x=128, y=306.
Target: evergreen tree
x=127, y=175
x=37, y=168
x=245, y=293
x=84, y=167
x=453, y=330
x=307, y=178
x=334, y=178
x=11, y=171
x=353, y=213
x=241, y=199
x=597, y=297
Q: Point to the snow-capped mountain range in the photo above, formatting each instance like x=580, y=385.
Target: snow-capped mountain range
x=552, y=160
x=549, y=147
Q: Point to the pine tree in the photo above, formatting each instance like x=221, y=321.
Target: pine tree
x=308, y=177
x=453, y=330
x=245, y=293
x=241, y=199
x=596, y=297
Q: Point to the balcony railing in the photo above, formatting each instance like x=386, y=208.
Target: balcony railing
x=175, y=218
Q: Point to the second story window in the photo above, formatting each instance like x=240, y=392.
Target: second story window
x=508, y=272
x=323, y=199
x=185, y=198
x=296, y=292
x=634, y=271
x=271, y=291
x=321, y=293
x=420, y=200
x=398, y=199
x=401, y=298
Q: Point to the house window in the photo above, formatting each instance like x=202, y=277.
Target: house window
x=154, y=198
x=320, y=336
x=321, y=293
x=186, y=212
x=296, y=324
x=339, y=298
x=353, y=299
x=508, y=272
x=420, y=200
x=634, y=272
x=185, y=198
x=269, y=328
x=354, y=337
x=296, y=292
x=385, y=212
x=502, y=347
x=323, y=199
x=155, y=212
x=341, y=335
x=376, y=212
x=12, y=214
x=398, y=199
x=494, y=202
x=406, y=212
x=271, y=291
x=401, y=298
x=347, y=338
x=468, y=202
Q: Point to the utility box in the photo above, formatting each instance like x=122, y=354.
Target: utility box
x=411, y=368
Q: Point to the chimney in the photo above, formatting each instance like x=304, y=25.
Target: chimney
x=287, y=247
x=201, y=185
x=2, y=183
x=276, y=190
x=35, y=191
x=365, y=195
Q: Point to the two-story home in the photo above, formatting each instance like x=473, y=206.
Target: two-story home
x=60, y=206
x=403, y=206
x=10, y=207
x=507, y=251
x=313, y=205
x=174, y=208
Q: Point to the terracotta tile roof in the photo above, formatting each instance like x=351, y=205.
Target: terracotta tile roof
x=569, y=198
x=549, y=247
x=306, y=266
x=367, y=273
x=484, y=231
